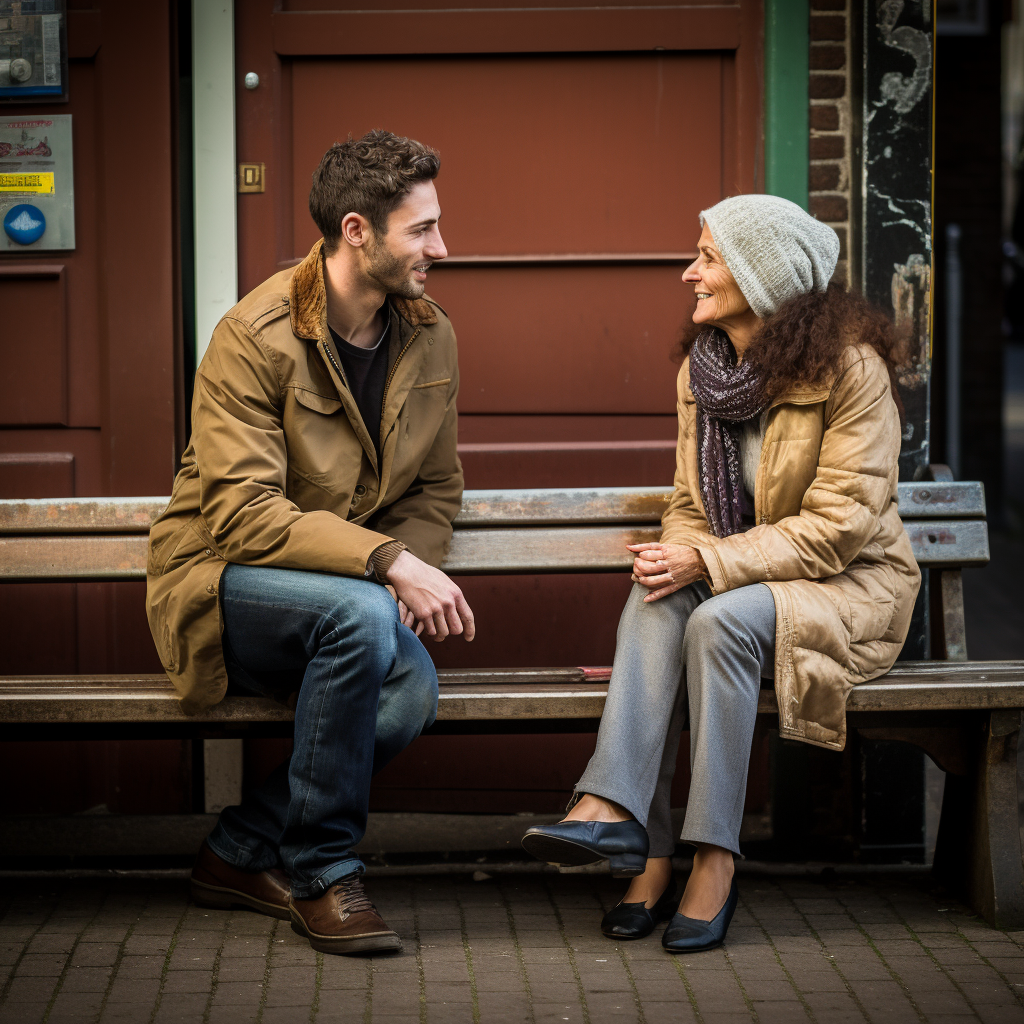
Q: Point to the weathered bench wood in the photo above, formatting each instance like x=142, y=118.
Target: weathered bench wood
x=964, y=714
x=481, y=695
x=531, y=507
x=530, y=531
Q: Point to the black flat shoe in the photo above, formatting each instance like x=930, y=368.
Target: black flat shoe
x=635, y=921
x=623, y=843
x=688, y=935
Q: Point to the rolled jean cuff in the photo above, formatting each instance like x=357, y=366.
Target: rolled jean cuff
x=254, y=856
x=609, y=791
x=315, y=889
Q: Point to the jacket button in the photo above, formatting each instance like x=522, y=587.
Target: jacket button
x=208, y=551
x=360, y=490
x=430, y=341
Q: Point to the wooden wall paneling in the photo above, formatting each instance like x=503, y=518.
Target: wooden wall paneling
x=117, y=433
x=570, y=186
x=38, y=610
x=263, y=128
x=84, y=265
x=571, y=339
x=137, y=289
x=582, y=153
x=743, y=127
x=560, y=29
x=34, y=343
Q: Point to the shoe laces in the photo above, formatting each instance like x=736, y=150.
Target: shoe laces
x=351, y=895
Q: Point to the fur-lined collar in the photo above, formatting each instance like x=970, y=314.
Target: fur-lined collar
x=308, y=300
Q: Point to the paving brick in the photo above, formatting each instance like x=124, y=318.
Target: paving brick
x=41, y=965
x=181, y=982
x=816, y=936
x=22, y=1013
x=31, y=989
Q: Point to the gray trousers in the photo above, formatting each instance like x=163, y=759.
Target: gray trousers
x=686, y=659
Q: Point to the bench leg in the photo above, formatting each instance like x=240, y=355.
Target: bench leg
x=978, y=851
x=222, y=774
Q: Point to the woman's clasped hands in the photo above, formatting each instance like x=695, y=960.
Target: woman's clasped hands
x=665, y=568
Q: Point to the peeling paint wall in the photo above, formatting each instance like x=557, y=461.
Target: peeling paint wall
x=896, y=197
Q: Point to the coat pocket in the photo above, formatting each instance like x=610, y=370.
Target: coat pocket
x=432, y=383
x=322, y=404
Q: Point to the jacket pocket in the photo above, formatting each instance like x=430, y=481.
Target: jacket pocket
x=317, y=403
x=167, y=550
x=433, y=383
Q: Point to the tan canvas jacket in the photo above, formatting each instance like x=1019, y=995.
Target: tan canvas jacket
x=828, y=541
x=281, y=471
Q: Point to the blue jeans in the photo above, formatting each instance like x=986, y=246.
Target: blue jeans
x=366, y=689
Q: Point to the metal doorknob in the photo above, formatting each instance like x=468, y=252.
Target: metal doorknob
x=252, y=80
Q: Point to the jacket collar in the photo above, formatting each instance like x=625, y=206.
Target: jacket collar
x=308, y=300
x=803, y=394
x=796, y=394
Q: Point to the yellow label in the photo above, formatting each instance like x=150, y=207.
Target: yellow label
x=27, y=182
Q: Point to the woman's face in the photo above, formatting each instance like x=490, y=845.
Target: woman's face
x=719, y=299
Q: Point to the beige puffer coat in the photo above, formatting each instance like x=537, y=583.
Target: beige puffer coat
x=828, y=541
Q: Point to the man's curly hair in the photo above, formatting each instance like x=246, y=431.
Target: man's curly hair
x=369, y=176
x=803, y=341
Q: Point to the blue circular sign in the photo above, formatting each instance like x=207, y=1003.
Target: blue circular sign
x=24, y=224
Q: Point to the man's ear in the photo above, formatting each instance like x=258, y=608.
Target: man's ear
x=355, y=229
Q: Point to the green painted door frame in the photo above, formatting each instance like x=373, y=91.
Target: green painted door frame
x=786, y=102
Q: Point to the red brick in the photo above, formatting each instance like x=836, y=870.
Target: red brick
x=827, y=147
x=828, y=57
x=827, y=87
x=841, y=232
x=824, y=118
x=830, y=27
x=824, y=177
x=829, y=208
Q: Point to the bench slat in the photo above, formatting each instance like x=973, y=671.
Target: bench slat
x=482, y=694
x=529, y=507
x=506, y=550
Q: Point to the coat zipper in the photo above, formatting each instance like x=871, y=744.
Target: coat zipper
x=330, y=358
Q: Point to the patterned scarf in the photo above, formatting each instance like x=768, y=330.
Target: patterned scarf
x=727, y=394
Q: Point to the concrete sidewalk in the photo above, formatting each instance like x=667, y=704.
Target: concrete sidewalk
x=516, y=948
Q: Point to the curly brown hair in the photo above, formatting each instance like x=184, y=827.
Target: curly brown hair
x=369, y=176
x=803, y=341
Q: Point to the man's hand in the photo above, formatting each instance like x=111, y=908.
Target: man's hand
x=665, y=568
x=429, y=598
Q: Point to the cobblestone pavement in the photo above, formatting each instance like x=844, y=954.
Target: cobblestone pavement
x=518, y=948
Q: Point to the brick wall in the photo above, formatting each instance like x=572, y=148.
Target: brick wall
x=830, y=121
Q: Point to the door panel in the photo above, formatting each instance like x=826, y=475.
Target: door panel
x=91, y=349
x=589, y=153
x=578, y=144
x=34, y=344
x=572, y=339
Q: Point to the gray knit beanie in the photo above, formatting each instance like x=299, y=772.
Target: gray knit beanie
x=774, y=249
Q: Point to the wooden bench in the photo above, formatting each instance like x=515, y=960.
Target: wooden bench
x=965, y=715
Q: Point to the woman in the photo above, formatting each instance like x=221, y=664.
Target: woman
x=782, y=555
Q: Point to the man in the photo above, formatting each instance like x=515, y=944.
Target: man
x=322, y=468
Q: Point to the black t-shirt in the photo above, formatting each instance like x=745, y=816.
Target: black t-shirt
x=366, y=371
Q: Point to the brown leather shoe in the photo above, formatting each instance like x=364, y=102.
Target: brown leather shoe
x=216, y=883
x=343, y=921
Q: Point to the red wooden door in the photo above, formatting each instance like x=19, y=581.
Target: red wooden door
x=89, y=345
x=578, y=145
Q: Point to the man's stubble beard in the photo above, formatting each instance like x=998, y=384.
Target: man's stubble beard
x=390, y=272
